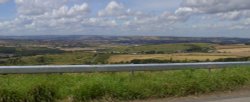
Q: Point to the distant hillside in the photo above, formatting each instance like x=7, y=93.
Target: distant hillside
x=129, y=39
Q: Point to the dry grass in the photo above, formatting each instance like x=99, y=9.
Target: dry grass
x=232, y=46
x=181, y=56
x=237, y=50
x=222, y=51
x=77, y=49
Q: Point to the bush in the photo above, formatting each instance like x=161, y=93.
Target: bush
x=10, y=96
x=89, y=91
x=119, y=86
x=43, y=93
x=232, y=59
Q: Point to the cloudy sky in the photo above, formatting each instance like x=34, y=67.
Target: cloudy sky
x=199, y=18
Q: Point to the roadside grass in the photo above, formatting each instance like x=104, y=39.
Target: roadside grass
x=120, y=86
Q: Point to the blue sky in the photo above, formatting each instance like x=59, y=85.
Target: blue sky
x=198, y=18
x=8, y=10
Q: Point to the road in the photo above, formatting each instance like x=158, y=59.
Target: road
x=242, y=99
x=242, y=95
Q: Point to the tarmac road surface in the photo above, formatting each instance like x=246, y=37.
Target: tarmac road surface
x=241, y=95
x=242, y=99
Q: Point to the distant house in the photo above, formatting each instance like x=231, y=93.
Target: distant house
x=89, y=49
x=180, y=51
x=116, y=52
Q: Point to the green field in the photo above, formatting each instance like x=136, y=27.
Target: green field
x=162, y=53
x=48, y=56
x=69, y=58
x=162, y=48
x=119, y=86
x=56, y=59
x=28, y=51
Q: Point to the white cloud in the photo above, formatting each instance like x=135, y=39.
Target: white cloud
x=112, y=9
x=226, y=9
x=56, y=16
x=185, y=12
x=35, y=7
x=217, y=6
x=65, y=11
x=232, y=14
x=49, y=16
x=3, y=1
x=77, y=17
x=99, y=22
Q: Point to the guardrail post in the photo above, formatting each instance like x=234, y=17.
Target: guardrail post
x=133, y=73
x=8, y=81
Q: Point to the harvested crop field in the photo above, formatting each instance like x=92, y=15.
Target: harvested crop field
x=181, y=56
x=237, y=50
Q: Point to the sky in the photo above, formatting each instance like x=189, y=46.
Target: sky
x=189, y=18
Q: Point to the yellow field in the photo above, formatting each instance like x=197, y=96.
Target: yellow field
x=77, y=49
x=182, y=56
x=237, y=50
x=232, y=46
x=221, y=51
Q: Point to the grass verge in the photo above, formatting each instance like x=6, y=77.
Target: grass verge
x=119, y=86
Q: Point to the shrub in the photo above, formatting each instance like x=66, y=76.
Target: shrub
x=120, y=86
x=89, y=91
x=10, y=96
x=43, y=93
